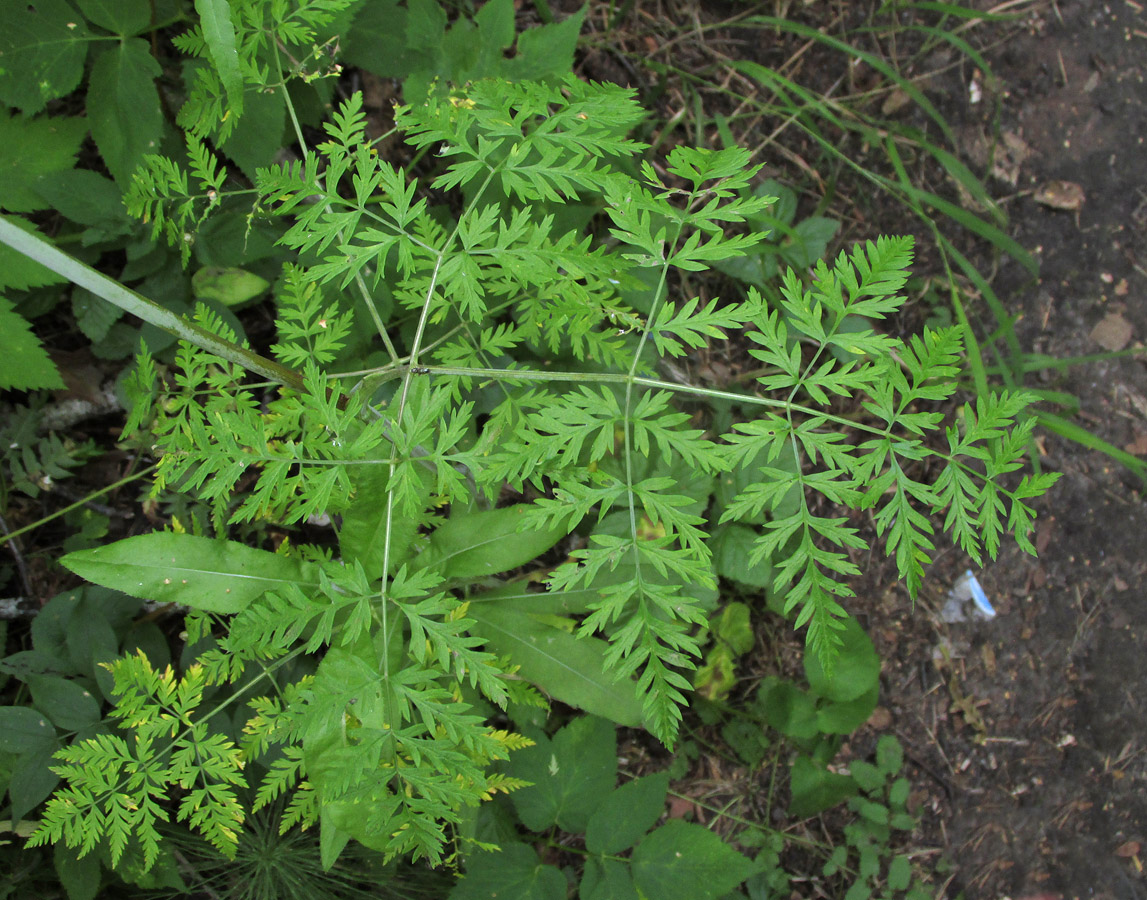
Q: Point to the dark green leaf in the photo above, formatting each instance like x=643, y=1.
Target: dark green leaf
x=848, y=715
x=546, y=50
x=377, y=40
x=91, y=640
x=83, y=196
x=215, y=576
x=627, y=814
x=80, y=877
x=571, y=775
x=903, y=822
x=22, y=272
x=747, y=739
x=877, y=813
x=148, y=637
x=867, y=776
x=30, y=148
x=32, y=780
x=815, y=789
x=259, y=133
x=513, y=873
x=25, y=730
x=43, y=44
x=95, y=317
x=683, y=861
x=889, y=755
x=732, y=545
x=809, y=241
x=788, y=709
x=219, y=34
x=125, y=17
x=606, y=879
x=123, y=106
x=856, y=670
x=69, y=705
x=495, y=21
x=567, y=668
x=479, y=544
x=50, y=627
x=25, y=364
x=899, y=873
x=899, y=791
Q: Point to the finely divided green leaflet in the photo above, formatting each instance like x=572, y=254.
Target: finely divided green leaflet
x=522, y=406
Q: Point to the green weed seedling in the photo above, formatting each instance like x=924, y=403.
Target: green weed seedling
x=504, y=427
x=867, y=859
x=572, y=780
x=836, y=703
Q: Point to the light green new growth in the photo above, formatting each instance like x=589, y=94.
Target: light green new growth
x=525, y=353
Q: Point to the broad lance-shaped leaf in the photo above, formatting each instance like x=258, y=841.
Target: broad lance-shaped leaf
x=567, y=668
x=215, y=576
x=219, y=34
x=474, y=544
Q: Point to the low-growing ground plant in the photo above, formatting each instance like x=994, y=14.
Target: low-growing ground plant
x=512, y=417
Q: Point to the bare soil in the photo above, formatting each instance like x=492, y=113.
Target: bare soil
x=1034, y=733
x=1025, y=734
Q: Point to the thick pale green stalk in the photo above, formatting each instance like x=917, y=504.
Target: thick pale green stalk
x=42, y=251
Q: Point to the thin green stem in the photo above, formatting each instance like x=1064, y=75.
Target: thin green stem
x=42, y=251
x=392, y=463
x=67, y=509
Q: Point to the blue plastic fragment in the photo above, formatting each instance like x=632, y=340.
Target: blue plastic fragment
x=978, y=595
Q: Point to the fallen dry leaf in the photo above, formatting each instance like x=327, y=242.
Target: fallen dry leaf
x=1061, y=195
x=1131, y=848
x=1008, y=158
x=1113, y=332
x=1137, y=447
x=895, y=101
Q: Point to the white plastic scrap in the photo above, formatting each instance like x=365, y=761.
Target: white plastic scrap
x=967, y=588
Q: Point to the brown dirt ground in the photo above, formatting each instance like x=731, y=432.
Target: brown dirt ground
x=1027, y=742
x=1035, y=733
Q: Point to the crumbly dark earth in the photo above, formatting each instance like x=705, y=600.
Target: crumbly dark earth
x=1035, y=732
x=1025, y=734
